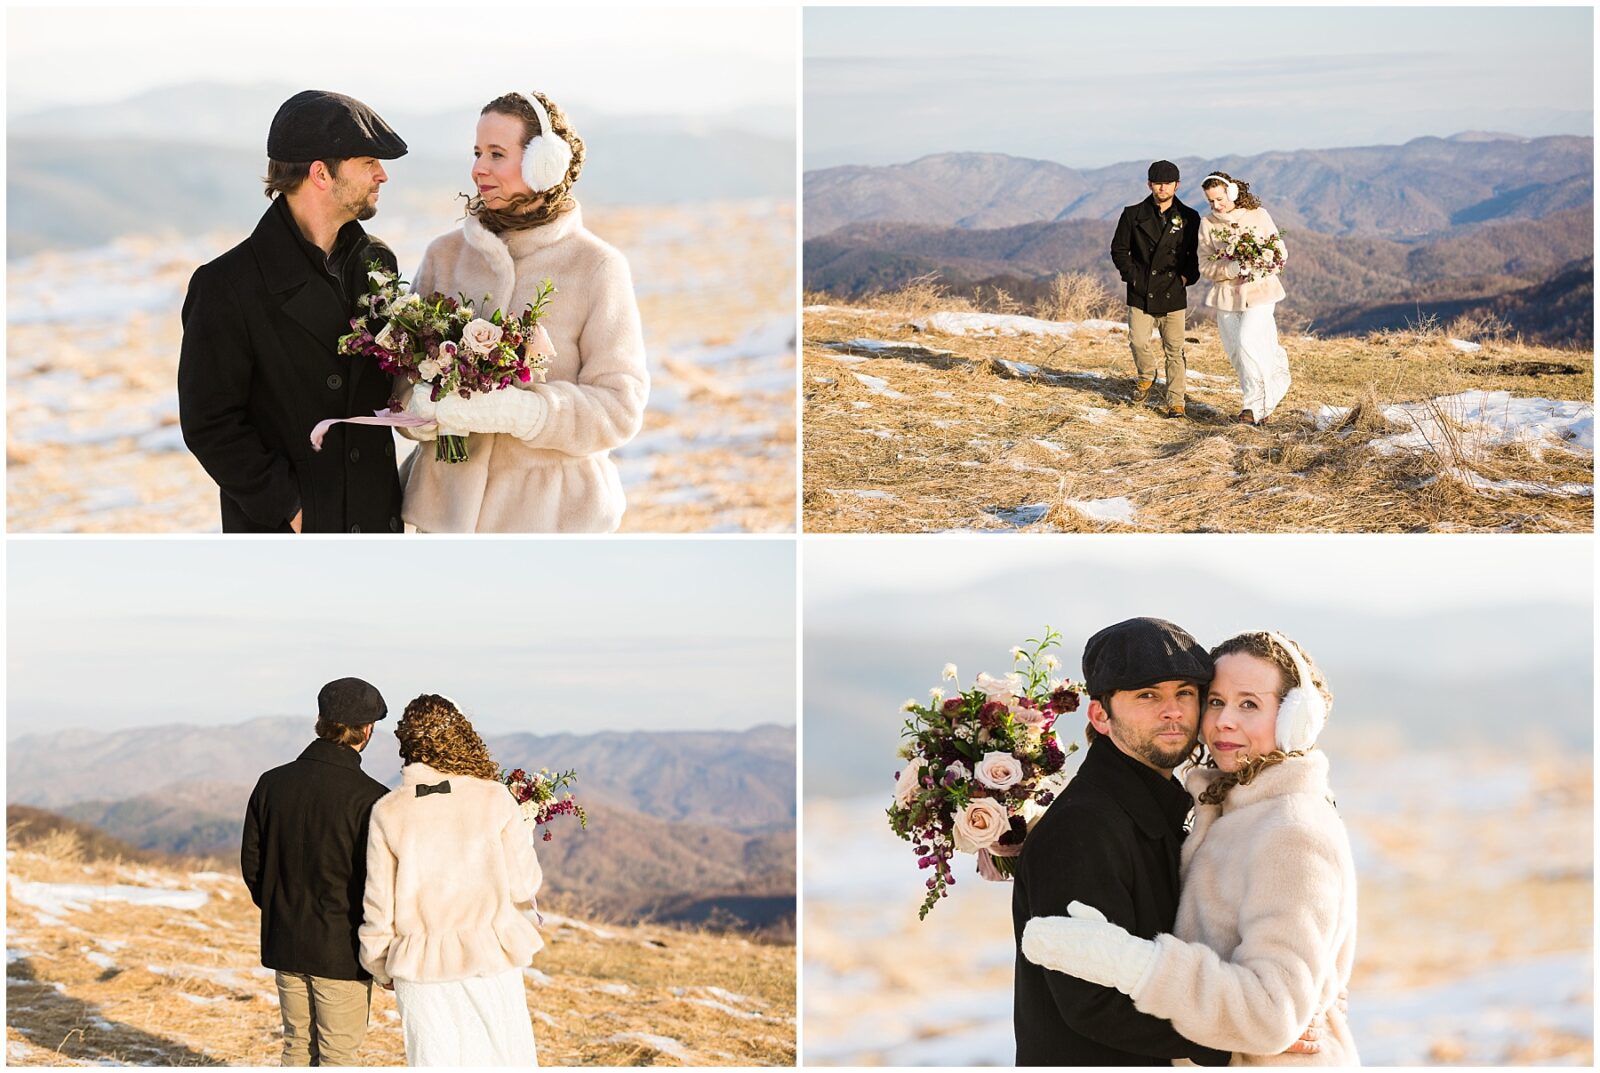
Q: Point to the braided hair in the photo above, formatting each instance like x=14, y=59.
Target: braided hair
x=516, y=214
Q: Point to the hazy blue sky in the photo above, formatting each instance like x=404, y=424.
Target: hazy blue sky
x=1093, y=86
x=620, y=60
x=542, y=636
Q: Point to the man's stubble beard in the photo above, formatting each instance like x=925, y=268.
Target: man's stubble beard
x=1148, y=749
x=354, y=200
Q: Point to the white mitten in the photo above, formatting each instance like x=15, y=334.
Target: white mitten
x=422, y=406
x=510, y=410
x=1086, y=945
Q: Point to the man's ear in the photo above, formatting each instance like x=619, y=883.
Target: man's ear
x=320, y=175
x=1099, y=718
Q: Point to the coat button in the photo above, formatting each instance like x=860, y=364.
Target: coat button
x=335, y=382
x=355, y=454
x=355, y=528
x=394, y=525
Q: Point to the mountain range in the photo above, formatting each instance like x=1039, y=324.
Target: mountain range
x=185, y=159
x=1378, y=237
x=684, y=827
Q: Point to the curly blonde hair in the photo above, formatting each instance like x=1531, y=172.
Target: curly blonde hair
x=1263, y=646
x=548, y=204
x=1245, y=200
x=434, y=732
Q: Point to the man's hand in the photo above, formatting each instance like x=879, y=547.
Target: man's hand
x=295, y=522
x=1307, y=1043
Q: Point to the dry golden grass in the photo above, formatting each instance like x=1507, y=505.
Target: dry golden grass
x=213, y=1004
x=966, y=442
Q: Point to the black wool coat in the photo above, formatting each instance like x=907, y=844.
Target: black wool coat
x=1111, y=840
x=260, y=367
x=1157, y=260
x=304, y=858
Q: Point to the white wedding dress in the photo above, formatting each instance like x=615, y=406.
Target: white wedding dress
x=1250, y=339
x=480, y=1021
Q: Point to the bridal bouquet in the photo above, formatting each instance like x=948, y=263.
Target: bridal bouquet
x=536, y=796
x=982, y=765
x=443, y=347
x=1258, y=257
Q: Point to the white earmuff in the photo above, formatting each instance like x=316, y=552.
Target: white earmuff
x=545, y=159
x=1229, y=186
x=1302, y=713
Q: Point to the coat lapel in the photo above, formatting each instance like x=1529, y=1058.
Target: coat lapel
x=493, y=249
x=308, y=301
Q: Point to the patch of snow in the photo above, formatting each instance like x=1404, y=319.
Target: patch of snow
x=859, y=405
x=993, y=324
x=556, y=920
x=1104, y=325
x=538, y=977
x=1325, y=417
x=999, y=400
x=941, y=394
x=96, y=958
x=1017, y=368
x=878, y=386
x=722, y=1007
x=543, y=1018
x=1484, y=484
x=860, y=493
x=1116, y=509
x=660, y=1044
x=1096, y=414
x=1464, y=345
x=1020, y=516
x=944, y=423
x=1492, y=417
x=202, y=1000
x=76, y=897
x=612, y=989
x=823, y=380
x=1053, y=448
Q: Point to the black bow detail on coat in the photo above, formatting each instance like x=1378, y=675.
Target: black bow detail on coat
x=423, y=790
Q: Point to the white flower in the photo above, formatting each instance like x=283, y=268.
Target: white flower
x=909, y=705
x=385, y=338
x=1000, y=688
x=1051, y=663
x=937, y=694
x=1016, y=653
x=428, y=369
x=379, y=277
x=909, y=782
x=980, y=824
x=950, y=671
x=959, y=770
x=480, y=336
x=412, y=299
x=998, y=771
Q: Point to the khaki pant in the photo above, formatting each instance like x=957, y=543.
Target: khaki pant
x=324, y=1021
x=1140, y=325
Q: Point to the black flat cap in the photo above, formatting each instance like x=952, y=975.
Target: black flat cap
x=315, y=124
x=1141, y=652
x=1162, y=171
x=351, y=701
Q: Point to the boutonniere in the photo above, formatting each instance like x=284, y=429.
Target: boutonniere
x=1177, y=224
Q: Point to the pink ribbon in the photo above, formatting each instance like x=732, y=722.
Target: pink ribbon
x=986, y=865
x=379, y=417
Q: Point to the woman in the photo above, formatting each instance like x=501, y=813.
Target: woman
x=1265, y=936
x=1244, y=306
x=539, y=454
x=450, y=872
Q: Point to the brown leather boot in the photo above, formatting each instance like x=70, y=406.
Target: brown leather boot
x=1174, y=411
x=1141, y=390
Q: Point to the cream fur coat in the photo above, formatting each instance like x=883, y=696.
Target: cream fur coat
x=448, y=878
x=1229, y=294
x=562, y=479
x=1266, y=930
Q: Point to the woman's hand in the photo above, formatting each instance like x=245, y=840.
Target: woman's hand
x=510, y=410
x=1086, y=945
x=1232, y=270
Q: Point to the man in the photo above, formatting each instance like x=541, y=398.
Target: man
x=1112, y=840
x=260, y=365
x=304, y=858
x=1156, y=251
